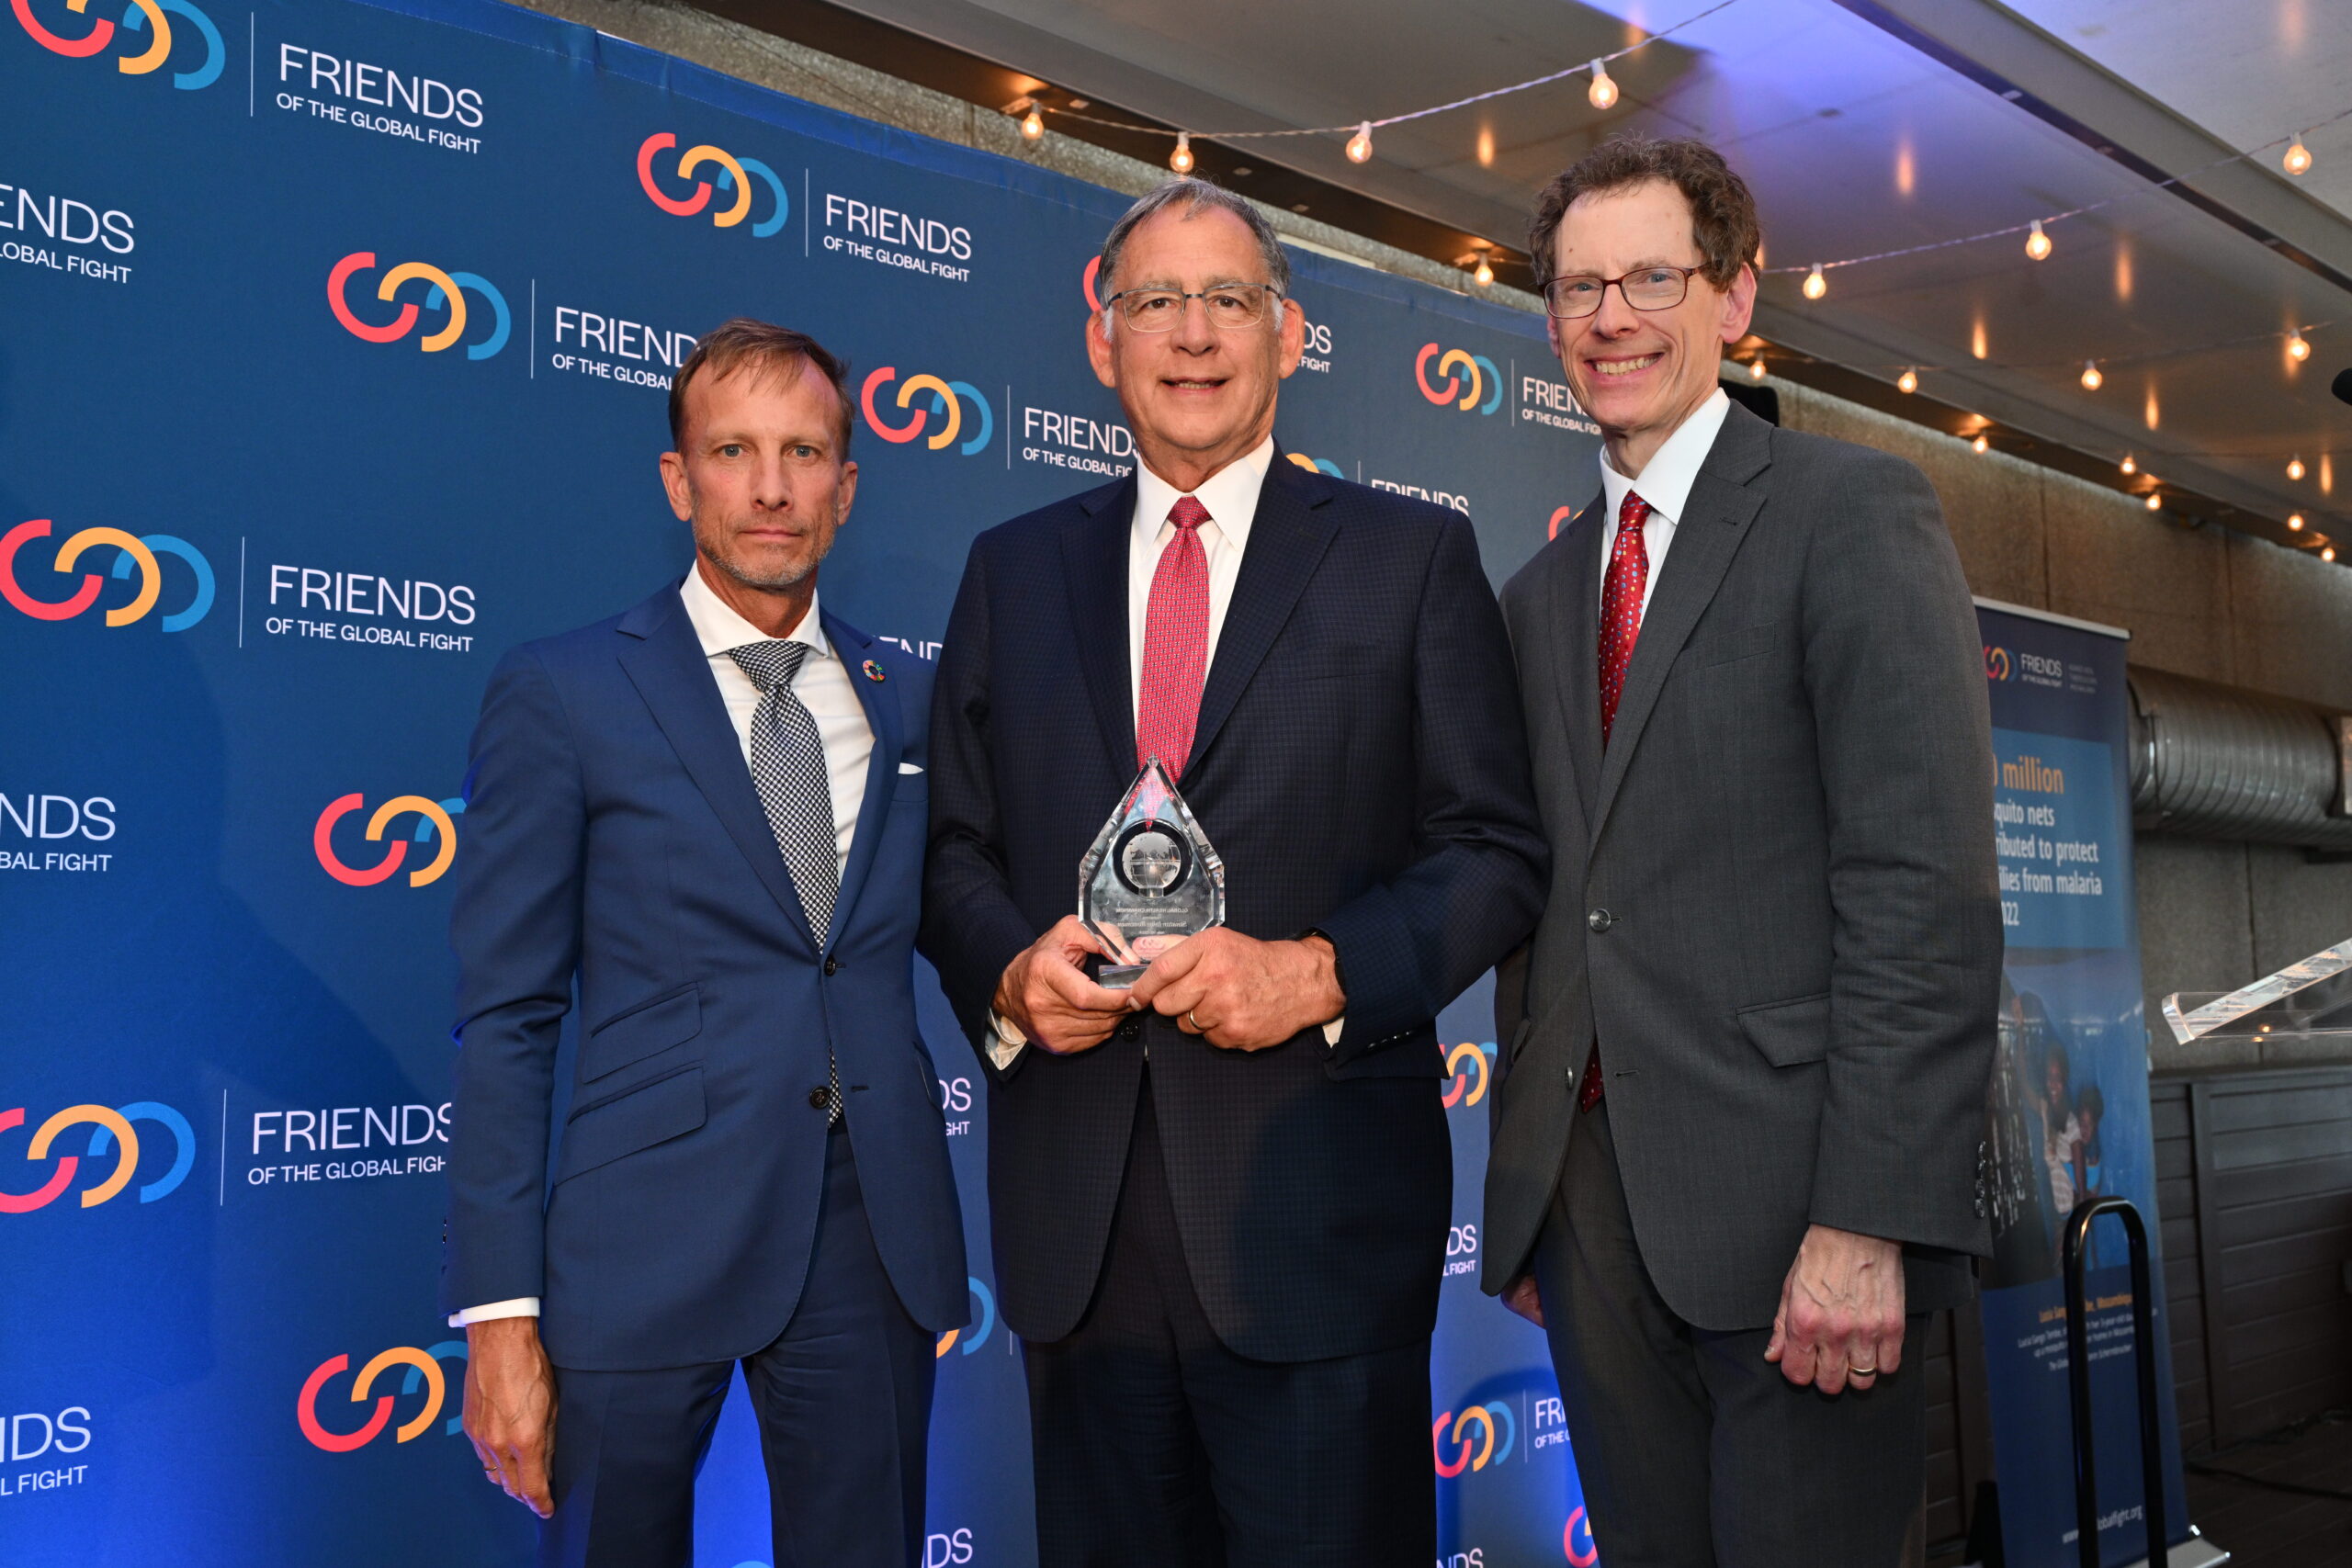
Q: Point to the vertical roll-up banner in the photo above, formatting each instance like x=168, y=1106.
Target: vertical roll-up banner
x=334, y=342
x=2067, y=1112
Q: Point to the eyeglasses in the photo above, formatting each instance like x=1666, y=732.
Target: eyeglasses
x=1576, y=296
x=1231, y=306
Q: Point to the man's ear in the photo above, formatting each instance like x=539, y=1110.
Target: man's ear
x=675, y=486
x=1739, y=304
x=1290, y=335
x=1098, y=351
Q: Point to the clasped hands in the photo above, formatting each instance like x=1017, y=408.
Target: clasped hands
x=1236, y=992
x=1842, y=1315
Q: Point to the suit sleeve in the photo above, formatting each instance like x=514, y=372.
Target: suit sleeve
x=515, y=925
x=1408, y=946
x=1893, y=667
x=971, y=927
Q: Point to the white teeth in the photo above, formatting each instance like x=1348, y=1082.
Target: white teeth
x=1624, y=366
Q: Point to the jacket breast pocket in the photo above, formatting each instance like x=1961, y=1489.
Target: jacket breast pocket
x=1789, y=1034
x=1746, y=643
x=608, y=1130
x=640, y=1032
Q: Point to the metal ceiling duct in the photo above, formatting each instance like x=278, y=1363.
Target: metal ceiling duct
x=2217, y=761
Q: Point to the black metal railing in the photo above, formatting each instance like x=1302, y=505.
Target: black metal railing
x=2078, y=1380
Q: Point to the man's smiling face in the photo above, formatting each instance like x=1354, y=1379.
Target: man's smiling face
x=1641, y=373
x=1198, y=396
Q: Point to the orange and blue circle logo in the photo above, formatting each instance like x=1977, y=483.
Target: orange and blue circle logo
x=435, y=825
x=731, y=181
x=948, y=400
x=1575, y=1539
x=144, y=22
x=1996, y=663
x=1474, y=1437
x=112, y=1134
x=984, y=1323
x=1469, y=1067
x=1466, y=380
x=1316, y=464
x=445, y=295
x=136, y=557
x=421, y=1373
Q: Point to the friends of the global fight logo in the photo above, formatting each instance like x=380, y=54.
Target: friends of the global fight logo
x=1466, y=380
x=444, y=292
x=1316, y=464
x=1473, y=1438
x=421, y=1374
x=112, y=1136
x=435, y=825
x=146, y=43
x=949, y=401
x=1996, y=663
x=1468, y=1069
x=983, y=1322
x=136, y=557
x=733, y=179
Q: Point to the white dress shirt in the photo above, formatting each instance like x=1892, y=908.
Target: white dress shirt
x=1230, y=498
x=1665, y=482
x=822, y=684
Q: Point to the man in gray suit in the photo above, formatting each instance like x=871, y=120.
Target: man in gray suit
x=1737, y=1146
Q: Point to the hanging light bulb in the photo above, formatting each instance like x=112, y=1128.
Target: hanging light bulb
x=2128, y=466
x=2327, y=552
x=2037, y=244
x=1815, y=286
x=1907, y=382
x=1033, y=124
x=1484, y=275
x=2298, y=348
x=1360, y=144
x=1981, y=445
x=2156, y=501
x=1756, y=368
x=1180, y=160
x=2294, y=523
x=1603, y=91
x=2091, y=377
x=2295, y=467
x=2298, y=159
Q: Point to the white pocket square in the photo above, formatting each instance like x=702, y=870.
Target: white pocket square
x=909, y=768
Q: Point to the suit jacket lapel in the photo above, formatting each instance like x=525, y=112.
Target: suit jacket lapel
x=880, y=700
x=1287, y=539
x=1715, y=521
x=1094, y=566
x=664, y=659
x=1575, y=611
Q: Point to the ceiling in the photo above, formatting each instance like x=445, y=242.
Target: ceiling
x=1863, y=126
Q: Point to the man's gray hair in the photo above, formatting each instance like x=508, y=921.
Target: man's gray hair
x=1196, y=194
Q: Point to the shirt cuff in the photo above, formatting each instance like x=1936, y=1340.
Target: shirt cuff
x=1005, y=1041
x=521, y=1307
x=1331, y=1031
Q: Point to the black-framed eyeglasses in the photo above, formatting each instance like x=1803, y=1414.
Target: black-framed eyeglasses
x=1231, y=306
x=1658, y=288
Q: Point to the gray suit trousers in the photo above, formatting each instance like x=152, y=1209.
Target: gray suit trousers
x=1693, y=1450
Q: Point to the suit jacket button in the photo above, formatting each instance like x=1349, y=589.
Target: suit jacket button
x=1130, y=1028
x=821, y=1099
x=1600, y=920
x=832, y=966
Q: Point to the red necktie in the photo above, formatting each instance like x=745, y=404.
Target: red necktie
x=1175, y=643
x=1621, y=626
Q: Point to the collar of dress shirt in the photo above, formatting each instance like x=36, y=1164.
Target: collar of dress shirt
x=1665, y=482
x=1230, y=495
x=720, y=628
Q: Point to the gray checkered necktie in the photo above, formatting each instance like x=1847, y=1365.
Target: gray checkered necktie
x=788, y=767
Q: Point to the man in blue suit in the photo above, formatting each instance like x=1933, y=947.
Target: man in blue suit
x=708, y=816
x=1221, y=1200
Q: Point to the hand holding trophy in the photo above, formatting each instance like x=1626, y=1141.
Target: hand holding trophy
x=1150, y=879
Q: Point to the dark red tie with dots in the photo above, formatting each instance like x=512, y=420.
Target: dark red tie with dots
x=1175, y=643
x=1620, y=626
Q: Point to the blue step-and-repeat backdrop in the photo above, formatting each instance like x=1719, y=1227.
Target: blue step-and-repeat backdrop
x=336, y=343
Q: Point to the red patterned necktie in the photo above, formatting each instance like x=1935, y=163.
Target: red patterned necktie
x=1621, y=626
x=1175, y=643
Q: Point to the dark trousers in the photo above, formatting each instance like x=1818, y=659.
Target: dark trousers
x=843, y=1398
x=1693, y=1450
x=1158, y=1447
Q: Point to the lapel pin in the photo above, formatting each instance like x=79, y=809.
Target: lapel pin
x=873, y=671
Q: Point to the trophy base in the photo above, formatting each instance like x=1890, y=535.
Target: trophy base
x=1120, y=976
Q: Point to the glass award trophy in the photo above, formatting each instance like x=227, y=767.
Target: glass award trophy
x=1150, y=880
